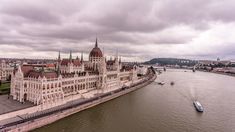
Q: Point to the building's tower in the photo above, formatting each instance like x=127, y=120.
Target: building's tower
x=95, y=56
x=120, y=62
x=17, y=87
x=58, y=64
x=70, y=56
x=59, y=58
x=82, y=57
x=82, y=63
x=103, y=74
x=70, y=64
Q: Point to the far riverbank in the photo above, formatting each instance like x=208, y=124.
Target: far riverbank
x=216, y=72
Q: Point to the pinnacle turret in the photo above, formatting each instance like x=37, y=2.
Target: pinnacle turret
x=82, y=57
x=70, y=56
x=59, y=59
x=96, y=42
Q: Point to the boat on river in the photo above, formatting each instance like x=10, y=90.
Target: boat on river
x=161, y=83
x=198, y=106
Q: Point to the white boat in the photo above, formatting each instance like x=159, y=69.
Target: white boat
x=161, y=83
x=198, y=106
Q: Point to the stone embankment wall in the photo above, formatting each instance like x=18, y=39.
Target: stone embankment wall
x=20, y=112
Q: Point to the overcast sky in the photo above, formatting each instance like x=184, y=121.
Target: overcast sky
x=138, y=29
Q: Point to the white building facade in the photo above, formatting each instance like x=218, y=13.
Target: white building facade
x=5, y=70
x=72, y=79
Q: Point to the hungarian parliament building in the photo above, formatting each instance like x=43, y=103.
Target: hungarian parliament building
x=71, y=79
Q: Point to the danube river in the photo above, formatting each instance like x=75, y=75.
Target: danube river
x=166, y=108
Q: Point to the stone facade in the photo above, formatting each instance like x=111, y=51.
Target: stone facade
x=5, y=70
x=72, y=79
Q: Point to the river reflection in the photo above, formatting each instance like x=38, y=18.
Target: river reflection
x=166, y=108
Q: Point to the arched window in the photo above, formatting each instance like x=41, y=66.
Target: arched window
x=43, y=87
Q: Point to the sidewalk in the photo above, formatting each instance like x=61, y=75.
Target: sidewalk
x=9, y=105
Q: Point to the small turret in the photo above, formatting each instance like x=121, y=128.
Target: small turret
x=15, y=68
x=82, y=57
x=116, y=57
x=70, y=56
x=96, y=43
x=59, y=59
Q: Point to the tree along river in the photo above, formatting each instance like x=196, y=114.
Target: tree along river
x=166, y=108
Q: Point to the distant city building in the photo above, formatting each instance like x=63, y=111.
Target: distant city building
x=71, y=79
x=218, y=66
x=5, y=70
x=213, y=63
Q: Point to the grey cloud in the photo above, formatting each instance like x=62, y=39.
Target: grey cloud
x=34, y=14
x=122, y=24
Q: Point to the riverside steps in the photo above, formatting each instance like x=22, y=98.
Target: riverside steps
x=27, y=122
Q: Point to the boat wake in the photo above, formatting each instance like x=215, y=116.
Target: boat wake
x=193, y=94
x=190, y=94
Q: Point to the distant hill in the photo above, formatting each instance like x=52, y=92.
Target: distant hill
x=171, y=61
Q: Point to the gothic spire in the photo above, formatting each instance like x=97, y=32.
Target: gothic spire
x=96, y=42
x=15, y=65
x=70, y=56
x=14, y=68
x=58, y=69
x=59, y=56
x=82, y=57
x=116, y=57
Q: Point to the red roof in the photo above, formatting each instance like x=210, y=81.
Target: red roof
x=50, y=65
x=65, y=62
x=26, y=69
x=75, y=62
x=110, y=62
x=96, y=52
x=35, y=74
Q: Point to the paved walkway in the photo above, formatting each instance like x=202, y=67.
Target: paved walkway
x=9, y=105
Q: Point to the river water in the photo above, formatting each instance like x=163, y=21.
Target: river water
x=166, y=108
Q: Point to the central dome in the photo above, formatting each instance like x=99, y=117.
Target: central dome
x=96, y=52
